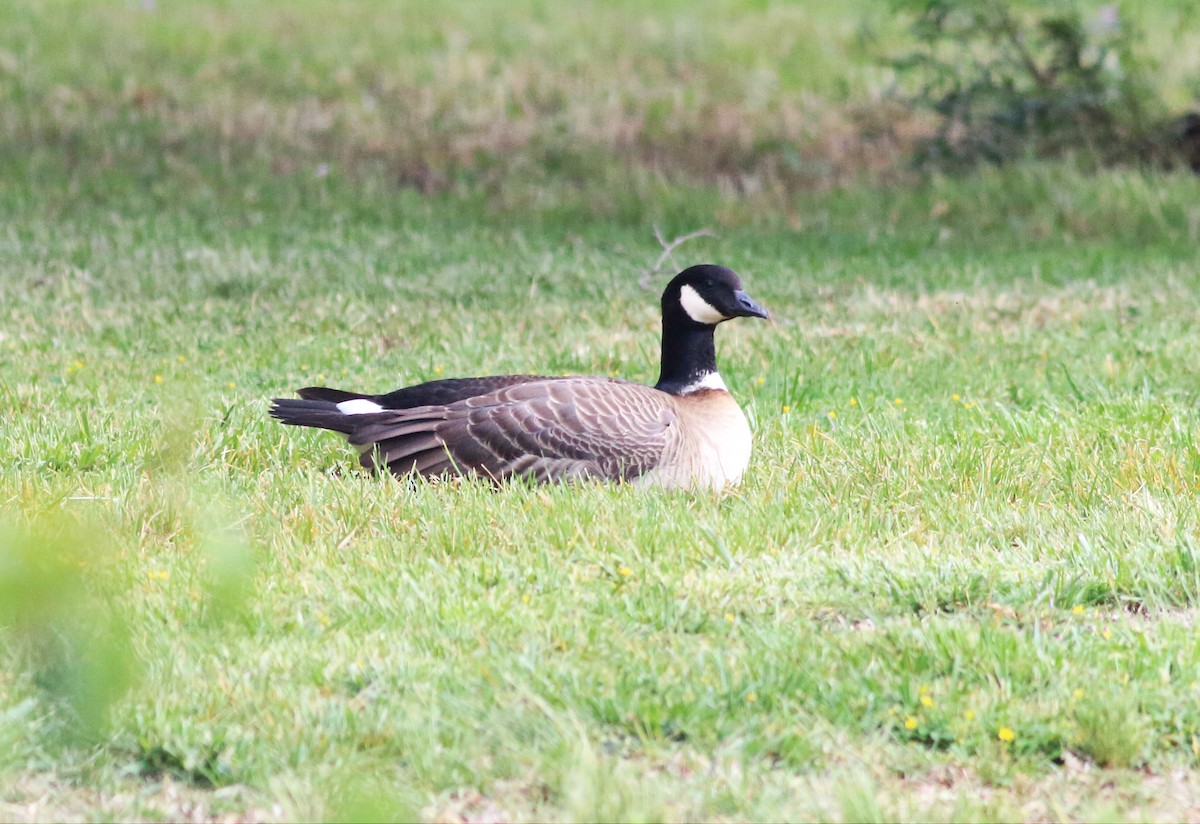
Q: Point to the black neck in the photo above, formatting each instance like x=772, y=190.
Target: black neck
x=688, y=352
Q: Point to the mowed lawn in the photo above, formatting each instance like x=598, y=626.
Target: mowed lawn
x=960, y=578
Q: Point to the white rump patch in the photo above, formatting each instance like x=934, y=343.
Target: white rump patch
x=699, y=309
x=358, y=406
x=711, y=380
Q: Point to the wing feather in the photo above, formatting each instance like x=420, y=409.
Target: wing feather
x=449, y=390
x=545, y=430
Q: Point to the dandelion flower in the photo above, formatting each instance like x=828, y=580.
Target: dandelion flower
x=1006, y=735
x=910, y=723
x=1077, y=694
x=786, y=409
x=969, y=715
x=926, y=701
x=898, y=401
x=854, y=401
x=624, y=572
x=729, y=617
x=751, y=698
x=956, y=397
x=1077, y=609
x=832, y=414
x=158, y=378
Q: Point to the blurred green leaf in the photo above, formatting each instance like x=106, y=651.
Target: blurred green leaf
x=80, y=652
x=228, y=573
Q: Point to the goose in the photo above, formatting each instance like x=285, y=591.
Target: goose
x=686, y=431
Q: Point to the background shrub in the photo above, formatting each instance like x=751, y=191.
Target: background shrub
x=1011, y=79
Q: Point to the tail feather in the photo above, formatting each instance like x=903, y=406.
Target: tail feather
x=322, y=414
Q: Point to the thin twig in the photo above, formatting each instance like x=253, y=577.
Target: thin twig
x=668, y=248
x=1013, y=35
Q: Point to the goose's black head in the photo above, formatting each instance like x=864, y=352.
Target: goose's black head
x=706, y=295
x=695, y=301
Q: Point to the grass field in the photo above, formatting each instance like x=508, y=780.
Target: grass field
x=959, y=581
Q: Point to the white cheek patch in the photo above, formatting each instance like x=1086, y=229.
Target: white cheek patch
x=358, y=406
x=698, y=308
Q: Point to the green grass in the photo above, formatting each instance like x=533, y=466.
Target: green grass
x=972, y=506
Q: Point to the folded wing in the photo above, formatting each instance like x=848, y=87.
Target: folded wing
x=546, y=430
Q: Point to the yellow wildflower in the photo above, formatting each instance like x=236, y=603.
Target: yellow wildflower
x=969, y=715
x=1006, y=734
x=956, y=397
x=854, y=401
x=926, y=701
x=158, y=378
x=751, y=698
x=898, y=401
x=1077, y=609
x=910, y=723
x=729, y=617
x=1077, y=694
x=625, y=572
